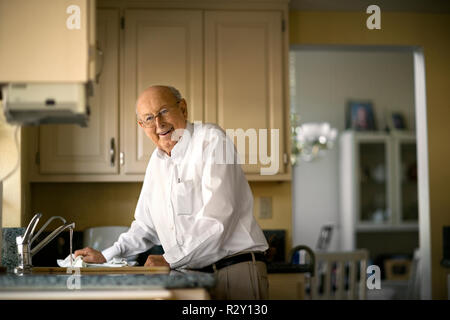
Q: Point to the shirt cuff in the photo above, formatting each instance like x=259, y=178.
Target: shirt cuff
x=111, y=252
x=177, y=257
x=173, y=255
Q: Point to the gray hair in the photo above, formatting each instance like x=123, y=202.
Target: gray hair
x=175, y=93
x=173, y=90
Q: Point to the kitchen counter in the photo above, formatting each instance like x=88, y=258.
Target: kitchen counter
x=174, y=285
x=281, y=267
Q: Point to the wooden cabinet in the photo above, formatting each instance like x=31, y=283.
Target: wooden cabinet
x=51, y=41
x=230, y=66
x=161, y=47
x=286, y=286
x=71, y=149
x=243, y=79
x=378, y=184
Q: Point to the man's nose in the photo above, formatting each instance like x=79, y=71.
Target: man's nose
x=159, y=123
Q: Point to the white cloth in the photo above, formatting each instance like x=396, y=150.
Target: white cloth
x=75, y=263
x=79, y=263
x=197, y=207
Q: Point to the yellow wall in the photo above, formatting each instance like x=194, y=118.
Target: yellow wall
x=86, y=204
x=432, y=32
x=281, y=207
x=107, y=204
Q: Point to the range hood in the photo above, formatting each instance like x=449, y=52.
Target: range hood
x=45, y=103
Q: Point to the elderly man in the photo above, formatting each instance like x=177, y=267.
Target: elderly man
x=196, y=205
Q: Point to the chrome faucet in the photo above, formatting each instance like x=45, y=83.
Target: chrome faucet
x=24, y=251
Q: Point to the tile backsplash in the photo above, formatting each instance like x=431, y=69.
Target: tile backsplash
x=9, y=248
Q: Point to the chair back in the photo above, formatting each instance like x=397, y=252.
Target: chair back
x=339, y=275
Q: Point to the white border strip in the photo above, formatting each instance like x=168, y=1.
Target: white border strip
x=423, y=177
x=85, y=294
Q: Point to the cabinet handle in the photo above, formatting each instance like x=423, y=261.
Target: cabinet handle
x=101, y=60
x=112, y=152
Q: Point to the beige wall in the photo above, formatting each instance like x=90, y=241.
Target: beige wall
x=432, y=32
x=108, y=204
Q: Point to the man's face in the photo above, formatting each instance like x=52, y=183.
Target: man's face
x=168, y=115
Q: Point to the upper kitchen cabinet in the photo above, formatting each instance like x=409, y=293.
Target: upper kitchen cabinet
x=161, y=47
x=47, y=41
x=244, y=83
x=229, y=62
x=71, y=149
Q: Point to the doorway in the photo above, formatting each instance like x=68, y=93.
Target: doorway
x=323, y=82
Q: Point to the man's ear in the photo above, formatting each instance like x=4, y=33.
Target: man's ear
x=183, y=106
x=140, y=123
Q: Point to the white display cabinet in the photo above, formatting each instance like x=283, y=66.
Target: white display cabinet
x=378, y=183
x=405, y=157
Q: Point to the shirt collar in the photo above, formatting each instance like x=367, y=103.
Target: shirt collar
x=179, y=149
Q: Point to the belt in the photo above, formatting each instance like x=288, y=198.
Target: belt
x=225, y=262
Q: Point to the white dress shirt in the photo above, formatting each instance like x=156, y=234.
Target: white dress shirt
x=199, y=208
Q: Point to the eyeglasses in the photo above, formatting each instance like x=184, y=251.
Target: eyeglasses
x=150, y=120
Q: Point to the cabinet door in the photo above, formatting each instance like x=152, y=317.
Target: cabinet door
x=46, y=40
x=374, y=181
x=161, y=47
x=70, y=149
x=406, y=183
x=243, y=80
x=286, y=286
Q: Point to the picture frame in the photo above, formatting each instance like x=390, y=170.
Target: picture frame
x=360, y=116
x=326, y=232
x=397, y=121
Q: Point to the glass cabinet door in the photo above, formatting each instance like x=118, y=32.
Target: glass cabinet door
x=374, y=202
x=407, y=181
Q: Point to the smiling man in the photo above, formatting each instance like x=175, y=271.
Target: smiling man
x=199, y=209
x=161, y=111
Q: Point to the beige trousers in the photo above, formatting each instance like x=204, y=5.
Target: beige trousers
x=242, y=281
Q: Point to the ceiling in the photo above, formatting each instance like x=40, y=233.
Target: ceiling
x=424, y=6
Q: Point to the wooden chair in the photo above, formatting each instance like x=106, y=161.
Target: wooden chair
x=339, y=275
x=413, y=291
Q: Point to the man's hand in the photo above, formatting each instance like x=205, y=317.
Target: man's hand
x=156, y=261
x=90, y=255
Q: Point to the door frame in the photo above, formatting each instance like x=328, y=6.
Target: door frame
x=420, y=109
